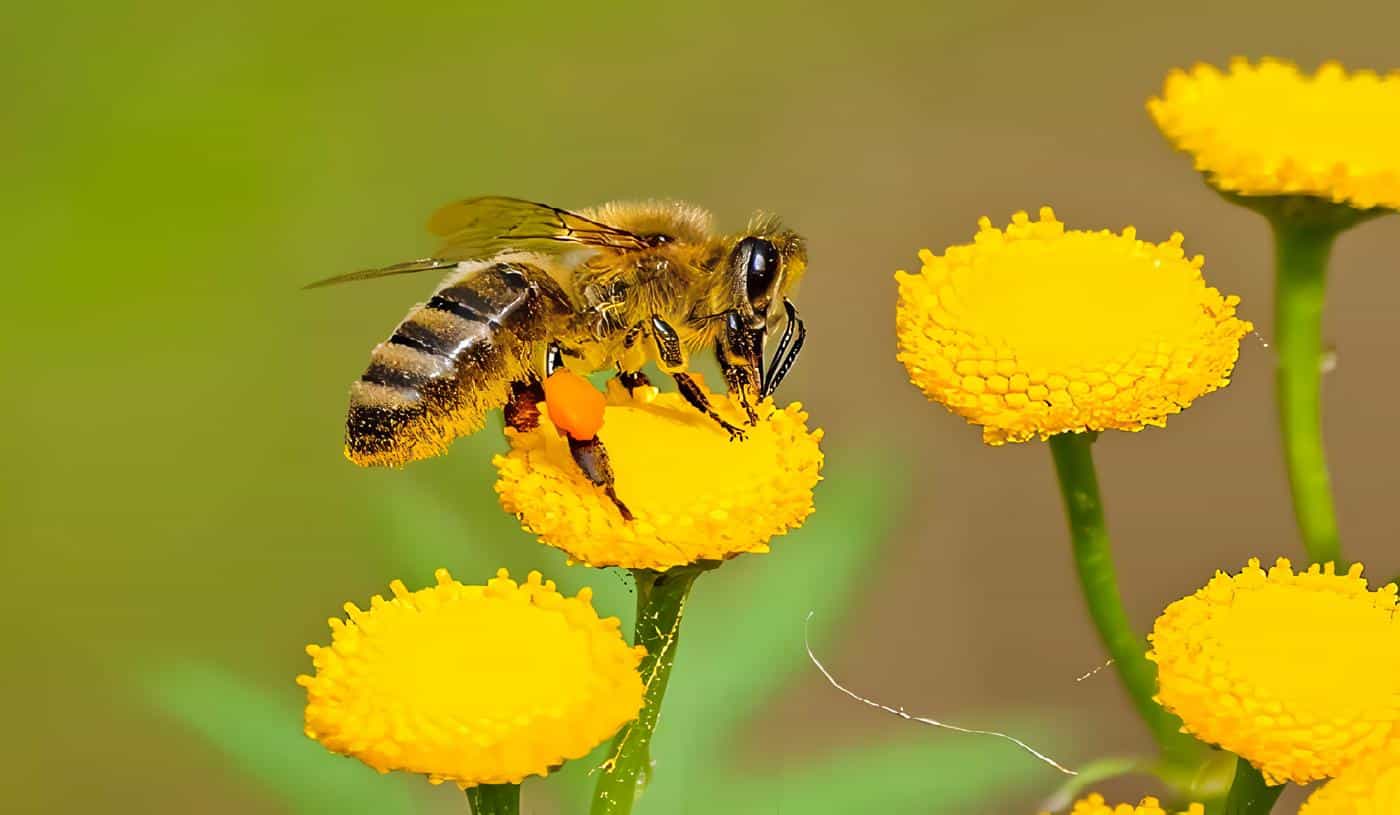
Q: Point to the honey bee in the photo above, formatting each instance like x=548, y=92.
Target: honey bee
x=533, y=290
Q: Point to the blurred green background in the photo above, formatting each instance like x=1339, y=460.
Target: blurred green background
x=178, y=521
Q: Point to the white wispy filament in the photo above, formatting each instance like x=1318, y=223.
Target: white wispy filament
x=806, y=641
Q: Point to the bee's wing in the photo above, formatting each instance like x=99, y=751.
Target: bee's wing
x=407, y=267
x=477, y=228
x=482, y=227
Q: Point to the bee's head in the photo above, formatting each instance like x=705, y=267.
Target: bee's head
x=764, y=266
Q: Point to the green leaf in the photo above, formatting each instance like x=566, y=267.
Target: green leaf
x=259, y=733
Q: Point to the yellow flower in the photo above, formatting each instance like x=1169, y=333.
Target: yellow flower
x=1268, y=129
x=472, y=684
x=1038, y=330
x=695, y=494
x=1298, y=673
x=1371, y=786
x=1095, y=804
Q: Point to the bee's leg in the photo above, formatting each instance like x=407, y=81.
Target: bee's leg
x=592, y=458
x=693, y=394
x=740, y=354
x=668, y=348
x=522, y=410
x=737, y=380
x=631, y=380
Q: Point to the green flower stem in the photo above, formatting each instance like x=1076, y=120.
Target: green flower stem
x=661, y=598
x=1093, y=558
x=1249, y=795
x=494, y=799
x=1300, y=257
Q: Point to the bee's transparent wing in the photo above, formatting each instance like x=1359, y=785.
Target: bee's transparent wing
x=482, y=227
x=477, y=228
x=407, y=267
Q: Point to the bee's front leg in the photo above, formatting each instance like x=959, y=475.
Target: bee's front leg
x=695, y=395
x=740, y=353
x=668, y=350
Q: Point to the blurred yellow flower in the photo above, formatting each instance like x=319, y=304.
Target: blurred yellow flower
x=1371, y=786
x=1038, y=330
x=1095, y=804
x=472, y=684
x=694, y=494
x=1299, y=673
x=1269, y=129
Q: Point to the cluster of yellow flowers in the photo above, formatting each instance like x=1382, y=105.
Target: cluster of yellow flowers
x=1032, y=330
x=1037, y=330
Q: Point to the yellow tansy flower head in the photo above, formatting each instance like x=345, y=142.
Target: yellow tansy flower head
x=472, y=684
x=1269, y=129
x=1036, y=330
x=1371, y=786
x=695, y=494
x=1299, y=673
x=1095, y=804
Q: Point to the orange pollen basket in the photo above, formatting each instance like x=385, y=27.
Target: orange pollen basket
x=575, y=406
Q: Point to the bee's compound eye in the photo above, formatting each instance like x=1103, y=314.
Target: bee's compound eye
x=760, y=259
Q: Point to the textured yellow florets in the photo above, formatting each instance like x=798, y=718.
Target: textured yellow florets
x=1095, y=804
x=1268, y=129
x=1371, y=786
x=473, y=684
x=695, y=494
x=1297, y=673
x=1038, y=330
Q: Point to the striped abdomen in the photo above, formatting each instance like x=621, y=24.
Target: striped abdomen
x=450, y=362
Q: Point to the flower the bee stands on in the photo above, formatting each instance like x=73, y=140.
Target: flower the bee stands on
x=695, y=494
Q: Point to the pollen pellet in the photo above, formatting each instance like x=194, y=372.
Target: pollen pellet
x=575, y=406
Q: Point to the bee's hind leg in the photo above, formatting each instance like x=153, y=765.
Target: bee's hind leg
x=592, y=458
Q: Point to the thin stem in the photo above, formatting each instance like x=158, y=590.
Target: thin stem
x=1300, y=257
x=1249, y=795
x=1093, y=558
x=494, y=799
x=661, y=598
